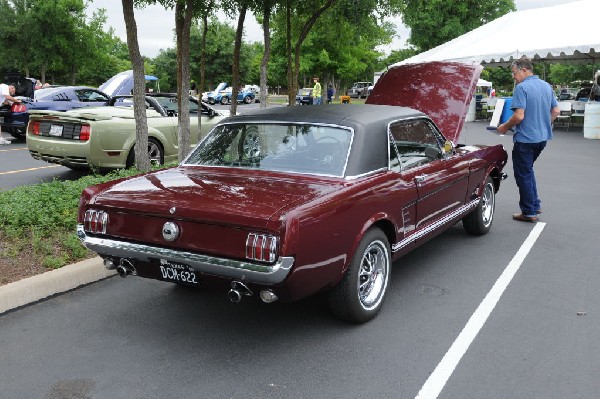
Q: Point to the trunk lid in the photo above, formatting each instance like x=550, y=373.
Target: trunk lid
x=214, y=196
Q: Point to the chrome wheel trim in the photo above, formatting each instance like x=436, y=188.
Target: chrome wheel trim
x=251, y=146
x=373, y=275
x=154, y=153
x=487, y=204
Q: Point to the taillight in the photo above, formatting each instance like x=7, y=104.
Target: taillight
x=34, y=128
x=84, y=134
x=95, y=221
x=18, y=107
x=261, y=247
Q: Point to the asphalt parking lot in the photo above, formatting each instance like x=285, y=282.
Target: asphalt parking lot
x=536, y=337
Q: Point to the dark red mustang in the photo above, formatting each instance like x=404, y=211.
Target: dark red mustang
x=291, y=201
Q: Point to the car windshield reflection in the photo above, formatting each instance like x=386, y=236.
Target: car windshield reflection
x=295, y=148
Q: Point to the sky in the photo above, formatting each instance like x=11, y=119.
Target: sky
x=155, y=24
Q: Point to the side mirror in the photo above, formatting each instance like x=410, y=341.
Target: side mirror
x=448, y=147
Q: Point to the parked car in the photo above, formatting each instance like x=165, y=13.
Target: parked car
x=288, y=202
x=14, y=118
x=222, y=95
x=583, y=94
x=104, y=137
x=567, y=94
x=304, y=96
x=359, y=89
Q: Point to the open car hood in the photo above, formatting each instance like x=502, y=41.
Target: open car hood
x=442, y=90
x=220, y=87
x=121, y=84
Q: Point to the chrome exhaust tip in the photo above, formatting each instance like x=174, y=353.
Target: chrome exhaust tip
x=268, y=296
x=234, y=296
x=122, y=271
x=109, y=264
x=125, y=268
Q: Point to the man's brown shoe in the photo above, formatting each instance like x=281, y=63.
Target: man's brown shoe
x=522, y=218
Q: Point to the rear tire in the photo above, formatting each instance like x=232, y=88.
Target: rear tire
x=359, y=296
x=155, y=152
x=479, y=221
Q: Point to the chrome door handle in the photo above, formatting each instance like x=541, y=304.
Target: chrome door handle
x=420, y=178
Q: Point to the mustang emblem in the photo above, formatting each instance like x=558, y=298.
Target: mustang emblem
x=170, y=231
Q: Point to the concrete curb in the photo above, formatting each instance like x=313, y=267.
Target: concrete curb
x=43, y=285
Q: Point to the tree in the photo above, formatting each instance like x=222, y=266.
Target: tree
x=434, y=22
x=142, y=159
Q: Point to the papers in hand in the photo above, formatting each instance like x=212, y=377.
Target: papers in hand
x=497, y=114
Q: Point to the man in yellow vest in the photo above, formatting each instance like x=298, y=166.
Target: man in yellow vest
x=317, y=92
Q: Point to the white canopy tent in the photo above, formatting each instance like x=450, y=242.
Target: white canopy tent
x=568, y=32
x=483, y=83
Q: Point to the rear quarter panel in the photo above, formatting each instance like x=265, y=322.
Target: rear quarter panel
x=326, y=233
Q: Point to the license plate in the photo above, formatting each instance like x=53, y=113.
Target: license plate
x=56, y=130
x=177, y=272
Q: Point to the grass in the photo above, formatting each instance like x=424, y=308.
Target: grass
x=43, y=218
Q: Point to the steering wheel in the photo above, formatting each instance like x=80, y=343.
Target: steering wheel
x=327, y=155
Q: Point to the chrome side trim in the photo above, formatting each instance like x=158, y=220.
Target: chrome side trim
x=435, y=225
x=240, y=270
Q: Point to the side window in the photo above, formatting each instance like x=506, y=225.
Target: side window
x=90, y=96
x=416, y=142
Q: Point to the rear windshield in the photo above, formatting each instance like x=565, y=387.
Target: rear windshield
x=295, y=148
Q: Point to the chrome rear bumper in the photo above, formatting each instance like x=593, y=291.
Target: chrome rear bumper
x=228, y=268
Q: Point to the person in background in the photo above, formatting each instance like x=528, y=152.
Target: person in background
x=6, y=94
x=595, y=92
x=6, y=98
x=535, y=108
x=317, y=92
x=329, y=93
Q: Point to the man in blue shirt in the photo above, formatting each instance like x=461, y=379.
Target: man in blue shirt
x=535, y=108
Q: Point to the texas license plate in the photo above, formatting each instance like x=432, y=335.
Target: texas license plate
x=177, y=272
x=56, y=130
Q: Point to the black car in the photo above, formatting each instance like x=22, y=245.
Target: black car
x=304, y=96
x=12, y=120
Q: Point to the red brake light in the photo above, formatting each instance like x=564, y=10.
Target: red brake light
x=18, y=107
x=95, y=221
x=261, y=247
x=34, y=127
x=84, y=135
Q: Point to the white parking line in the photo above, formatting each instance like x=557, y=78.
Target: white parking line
x=437, y=380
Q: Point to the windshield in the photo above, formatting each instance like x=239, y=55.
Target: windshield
x=296, y=148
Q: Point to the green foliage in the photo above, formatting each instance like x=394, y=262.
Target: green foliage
x=219, y=58
x=434, y=22
x=56, y=41
x=44, y=216
x=570, y=75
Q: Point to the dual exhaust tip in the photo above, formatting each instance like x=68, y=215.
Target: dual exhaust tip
x=239, y=289
x=124, y=268
x=235, y=294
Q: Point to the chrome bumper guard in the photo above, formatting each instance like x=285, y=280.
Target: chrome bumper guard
x=240, y=270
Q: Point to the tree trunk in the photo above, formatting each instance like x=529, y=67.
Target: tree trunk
x=266, y=55
x=142, y=160
x=202, y=71
x=235, y=84
x=183, y=22
x=288, y=49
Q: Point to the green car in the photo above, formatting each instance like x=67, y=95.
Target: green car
x=104, y=137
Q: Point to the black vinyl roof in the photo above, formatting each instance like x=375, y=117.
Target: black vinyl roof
x=370, y=143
